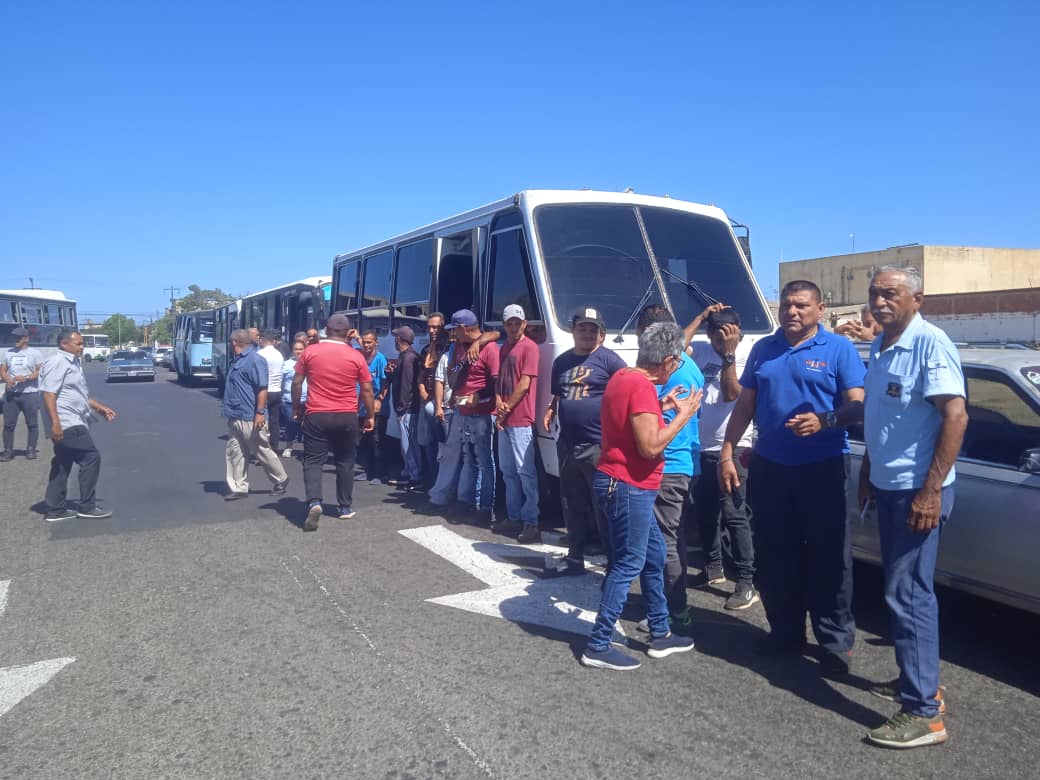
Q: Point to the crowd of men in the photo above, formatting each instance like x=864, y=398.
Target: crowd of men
x=643, y=453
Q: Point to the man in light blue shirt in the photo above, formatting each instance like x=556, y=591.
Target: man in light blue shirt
x=914, y=418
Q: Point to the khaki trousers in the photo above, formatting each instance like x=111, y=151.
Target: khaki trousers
x=245, y=439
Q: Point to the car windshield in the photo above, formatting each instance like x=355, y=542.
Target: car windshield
x=595, y=255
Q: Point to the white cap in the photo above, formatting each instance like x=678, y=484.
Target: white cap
x=513, y=310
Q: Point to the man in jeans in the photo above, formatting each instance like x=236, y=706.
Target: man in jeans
x=474, y=405
x=245, y=407
x=19, y=371
x=69, y=406
x=515, y=392
x=405, y=396
x=718, y=362
x=578, y=379
x=914, y=422
x=334, y=371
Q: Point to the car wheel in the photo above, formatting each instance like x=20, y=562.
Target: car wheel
x=87, y=358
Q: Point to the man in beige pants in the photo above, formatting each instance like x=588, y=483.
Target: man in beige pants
x=245, y=406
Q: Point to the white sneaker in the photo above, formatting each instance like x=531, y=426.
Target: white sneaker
x=287, y=452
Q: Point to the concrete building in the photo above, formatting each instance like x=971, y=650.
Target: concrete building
x=946, y=270
x=1001, y=316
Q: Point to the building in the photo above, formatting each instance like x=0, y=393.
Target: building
x=1000, y=316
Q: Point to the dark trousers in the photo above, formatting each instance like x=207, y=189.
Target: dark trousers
x=715, y=510
x=325, y=432
x=581, y=508
x=370, y=450
x=274, y=417
x=76, y=447
x=28, y=404
x=669, y=511
x=804, y=551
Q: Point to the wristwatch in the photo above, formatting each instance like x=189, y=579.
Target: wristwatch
x=830, y=419
x=729, y=359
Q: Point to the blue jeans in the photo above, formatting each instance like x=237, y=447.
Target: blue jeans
x=639, y=551
x=428, y=434
x=410, y=447
x=909, y=560
x=477, y=480
x=449, y=463
x=517, y=460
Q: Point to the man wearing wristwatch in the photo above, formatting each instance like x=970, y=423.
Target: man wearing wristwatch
x=712, y=508
x=801, y=386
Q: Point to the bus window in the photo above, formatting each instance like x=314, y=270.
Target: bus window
x=412, y=285
x=376, y=294
x=347, y=286
x=52, y=314
x=455, y=273
x=32, y=313
x=8, y=312
x=509, y=276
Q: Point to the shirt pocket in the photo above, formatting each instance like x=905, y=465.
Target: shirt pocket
x=897, y=390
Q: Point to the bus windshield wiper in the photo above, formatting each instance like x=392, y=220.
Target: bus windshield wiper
x=620, y=337
x=693, y=287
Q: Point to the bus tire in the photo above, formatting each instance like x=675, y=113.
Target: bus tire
x=87, y=358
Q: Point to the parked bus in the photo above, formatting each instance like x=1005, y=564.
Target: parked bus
x=193, y=346
x=552, y=252
x=288, y=309
x=95, y=346
x=42, y=312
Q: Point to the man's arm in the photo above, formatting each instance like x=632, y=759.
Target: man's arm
x=927, y=504
x=740, y=418
x=297, y=395
x=108, y=413
x=438, y=398
x=489, y=337
x=550, y=412
x=506, y=405
x=849, y=413
x=368, y=399
x=695, y=324
x=261, y=407
x=50, y=402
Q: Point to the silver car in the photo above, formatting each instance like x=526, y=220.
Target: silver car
x=130, y=364
x=991, y=544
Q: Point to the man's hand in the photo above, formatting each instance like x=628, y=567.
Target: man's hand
x=352, y=334
x=925, y=510
x=547, y=421
x=503, y=408
x=439, y=413
x=729, y=480
x=109, y=414
x=473, y=353
x=712, y=309
x=258, y=421
x=466, y=400
x=57, y=434
x=297, y=412
x=855, y=330
x=377, y=405
x=368, y=424
x=730, y=337
x=805, y=424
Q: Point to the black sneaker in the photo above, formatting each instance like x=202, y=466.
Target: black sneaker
x=235, y=496
x=95, y=513
x=279, y=488
x=611, y=658
x=771, y=646
x=6, y=456
x=664, y=646
x=710, y=576
x=568, y=567
x=31, y=455
x=530, y=534
x=507, y=527
x=60, y=514
x=743, y=597
x=313, y=516
x=484, y=517
x=890, y=692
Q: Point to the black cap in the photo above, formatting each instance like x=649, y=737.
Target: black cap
x=588, y=314
x=727, y=316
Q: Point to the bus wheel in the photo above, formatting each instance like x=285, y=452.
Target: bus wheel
x=87, y=358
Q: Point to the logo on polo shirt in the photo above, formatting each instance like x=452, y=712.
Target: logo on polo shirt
x=895, y=390
x=815, y=365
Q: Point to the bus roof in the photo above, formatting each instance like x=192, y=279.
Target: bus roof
x=531, y=199
x=310, y=281
x=35, y=292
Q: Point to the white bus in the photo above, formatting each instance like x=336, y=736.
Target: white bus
x=42, y=312
x=553, y=252
x=95, y=346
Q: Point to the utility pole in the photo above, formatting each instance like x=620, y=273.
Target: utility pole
x=32, y=283
x=174, y=292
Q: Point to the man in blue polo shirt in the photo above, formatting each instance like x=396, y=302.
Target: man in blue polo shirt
x=682, y=461
x=802, y=385
x=914, y=422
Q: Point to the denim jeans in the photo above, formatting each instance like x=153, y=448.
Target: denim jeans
x=581, y=510
x=409, y=422
x=669, y=511
x=716, y=510
x=639, y=551
x=477, y=480
x=29, y=405
x=428, y=434
x=909, y=561
x=449, y=463
x=517, y=460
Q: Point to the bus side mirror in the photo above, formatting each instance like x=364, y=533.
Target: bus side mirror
x=1030, y=461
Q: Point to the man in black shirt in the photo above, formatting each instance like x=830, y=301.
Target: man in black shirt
x=405, y=397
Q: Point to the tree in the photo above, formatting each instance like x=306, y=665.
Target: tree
x=120, y=329
x=197, y=298
x=162, y=329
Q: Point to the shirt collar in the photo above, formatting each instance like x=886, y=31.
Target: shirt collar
x=906, y=338
x=819, y=338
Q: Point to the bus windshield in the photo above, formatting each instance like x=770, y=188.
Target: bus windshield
x=204, y=333
x=595, y=255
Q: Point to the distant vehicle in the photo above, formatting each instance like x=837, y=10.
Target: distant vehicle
x=991, y=544
x=42, y=312
x=161, y=356
x=193, y=346
x=130, y=364
x=991, y=345
x=288, y=309
x=95, y=347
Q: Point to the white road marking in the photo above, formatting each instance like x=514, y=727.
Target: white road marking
x=516, y=593
x=17, y=682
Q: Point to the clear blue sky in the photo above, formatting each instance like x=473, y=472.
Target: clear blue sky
x=243, y=144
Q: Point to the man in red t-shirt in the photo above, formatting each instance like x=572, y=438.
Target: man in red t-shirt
x=334, y=371
x=515, y=394
x=474, y=400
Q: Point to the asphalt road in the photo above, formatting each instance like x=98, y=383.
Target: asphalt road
x=218, y=640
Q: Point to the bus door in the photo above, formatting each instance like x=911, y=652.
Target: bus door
x=457, y=260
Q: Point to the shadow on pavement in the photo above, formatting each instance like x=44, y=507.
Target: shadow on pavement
x=293, y=509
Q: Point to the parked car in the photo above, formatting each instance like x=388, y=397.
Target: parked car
x=130, y=364
x=991, y=544
x=161, y=356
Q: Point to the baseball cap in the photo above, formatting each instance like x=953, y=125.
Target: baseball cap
x=727, y=316
x=19, y=333
x=513, y=310
x=338, y=322
x=463, y=318
x=405, y=333
x=588, y=314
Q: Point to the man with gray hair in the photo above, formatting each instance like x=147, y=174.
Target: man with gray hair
x=914, y=421
x=245, y=407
